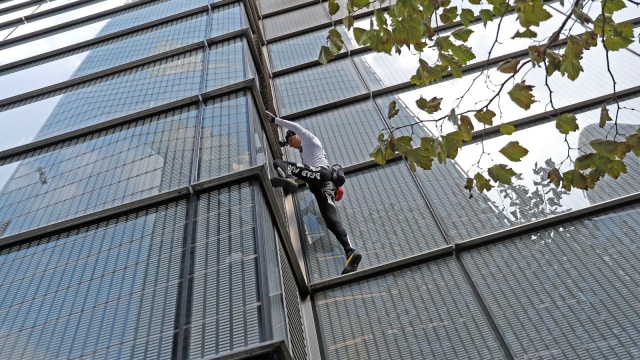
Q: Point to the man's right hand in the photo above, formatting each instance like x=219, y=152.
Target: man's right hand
x=272, y=117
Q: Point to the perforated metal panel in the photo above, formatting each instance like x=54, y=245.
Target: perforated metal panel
x=424, y=312
x=567, y=292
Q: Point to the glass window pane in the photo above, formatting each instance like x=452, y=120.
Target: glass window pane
x=292, y=21
x=347, y=133
x=269, y=6
x=230, y=62
x=104, y=55
x=316, y=86
x=570, y=290
x=105, y=25
x=226, y=299
x=225, y=146
x=228, y=18
x=424, y=312
x=114, y=95
x=379, y=211
x=56, y=19
x=97, y=171
x=107, y=286
x=302, y=49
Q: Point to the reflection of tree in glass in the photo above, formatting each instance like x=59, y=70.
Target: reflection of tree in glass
x=523, y=203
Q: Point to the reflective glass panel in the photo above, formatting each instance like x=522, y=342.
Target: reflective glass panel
x=228, y=18
x=423, y=312
x=531, y=197
x=302, y=49
x=480, y=88
x=97, y=171
x=112, y=96
x=296, y=20
x=11, y=3
x=53, y=20
x=108, y=288
x=269, y=6
x=104, y=55
x=316, y=86
x=115, y=22
x=569, y=291
x=226, y=304
x=225, y=145
x=348, y=133
x=229, y=62
x=379, y=210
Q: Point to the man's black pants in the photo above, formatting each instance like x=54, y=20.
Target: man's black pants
x=324, y=190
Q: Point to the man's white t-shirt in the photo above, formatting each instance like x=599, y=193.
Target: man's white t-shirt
x=312, y=151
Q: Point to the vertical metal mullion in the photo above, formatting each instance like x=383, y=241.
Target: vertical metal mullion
x=266, y=325
x=183, y=317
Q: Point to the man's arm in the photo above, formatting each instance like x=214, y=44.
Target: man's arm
x=297, y=128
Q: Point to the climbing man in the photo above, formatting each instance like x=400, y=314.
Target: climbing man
x=322, y=179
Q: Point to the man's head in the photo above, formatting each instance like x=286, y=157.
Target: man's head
x=292, y=139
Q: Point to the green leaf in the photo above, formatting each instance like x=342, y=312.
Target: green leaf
x=360, y=4
x=453, y=118
x=403, y=144
x=527, y=34
x=466, y=127
x=531, y=12
x=469, y=184
x=555, y=177
x=611, y=6
x=482, y=183
x=429, y=146
x=501, y=173
x=426, y=74
x=485, y=117
x=578, y=180
x=583, y=17
x=610, y=148
x=449, y=15
x=634, y=143
x=616, y=169
x=392, y=110
x=348, y=22
x=507, y=129
x=462, y=34
x=466, y=17
x=566, y=123
x=554, y=62
x=430, y=106
x=604, y=116
x=326, y=55
x=509, y=66
x=378, y=155
x=452, y=142
x=585, y=161
x=333, y=7
x=521, y=95
x=514, y=151
x=335, y=41
x=359, y=34
x=486, y=16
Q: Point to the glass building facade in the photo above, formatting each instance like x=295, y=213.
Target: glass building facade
x=137, y=219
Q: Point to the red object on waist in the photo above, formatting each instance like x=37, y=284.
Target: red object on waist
x=339, y=193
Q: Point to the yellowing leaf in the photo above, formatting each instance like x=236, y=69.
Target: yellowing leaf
x=485, y=117
x=509, y=66
x=514, y=151
x=634, y=143
x=527, y=34
x=466, y=127
x=555, y=177
x=482, y=183
x=507, y=129
x=486, y=16
x=531, y=12
x=462, y=34
x=430, y=106
x=610, y=148
x=326, y=55
x=604, y=116
x=333, y=7
x=566, y=123
x=501, y=173
x=466, y=17
x=403, y=144
x=335, y=41
x=521, y=95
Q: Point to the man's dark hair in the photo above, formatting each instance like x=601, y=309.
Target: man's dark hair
x=289, y=134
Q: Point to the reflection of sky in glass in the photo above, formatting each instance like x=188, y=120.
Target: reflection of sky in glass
x=53, y=42
x=20, y=125
x=34, y=9
x=66, y=16
x=40, y=76
x=545, y=142
x=11, y=3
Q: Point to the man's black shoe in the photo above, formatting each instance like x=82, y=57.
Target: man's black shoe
x=288, y=185
x=353, y=260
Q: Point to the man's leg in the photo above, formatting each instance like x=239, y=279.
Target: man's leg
x=325, y=196
x=285, y=180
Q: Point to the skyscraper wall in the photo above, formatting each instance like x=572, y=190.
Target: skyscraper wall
x=137, y=219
